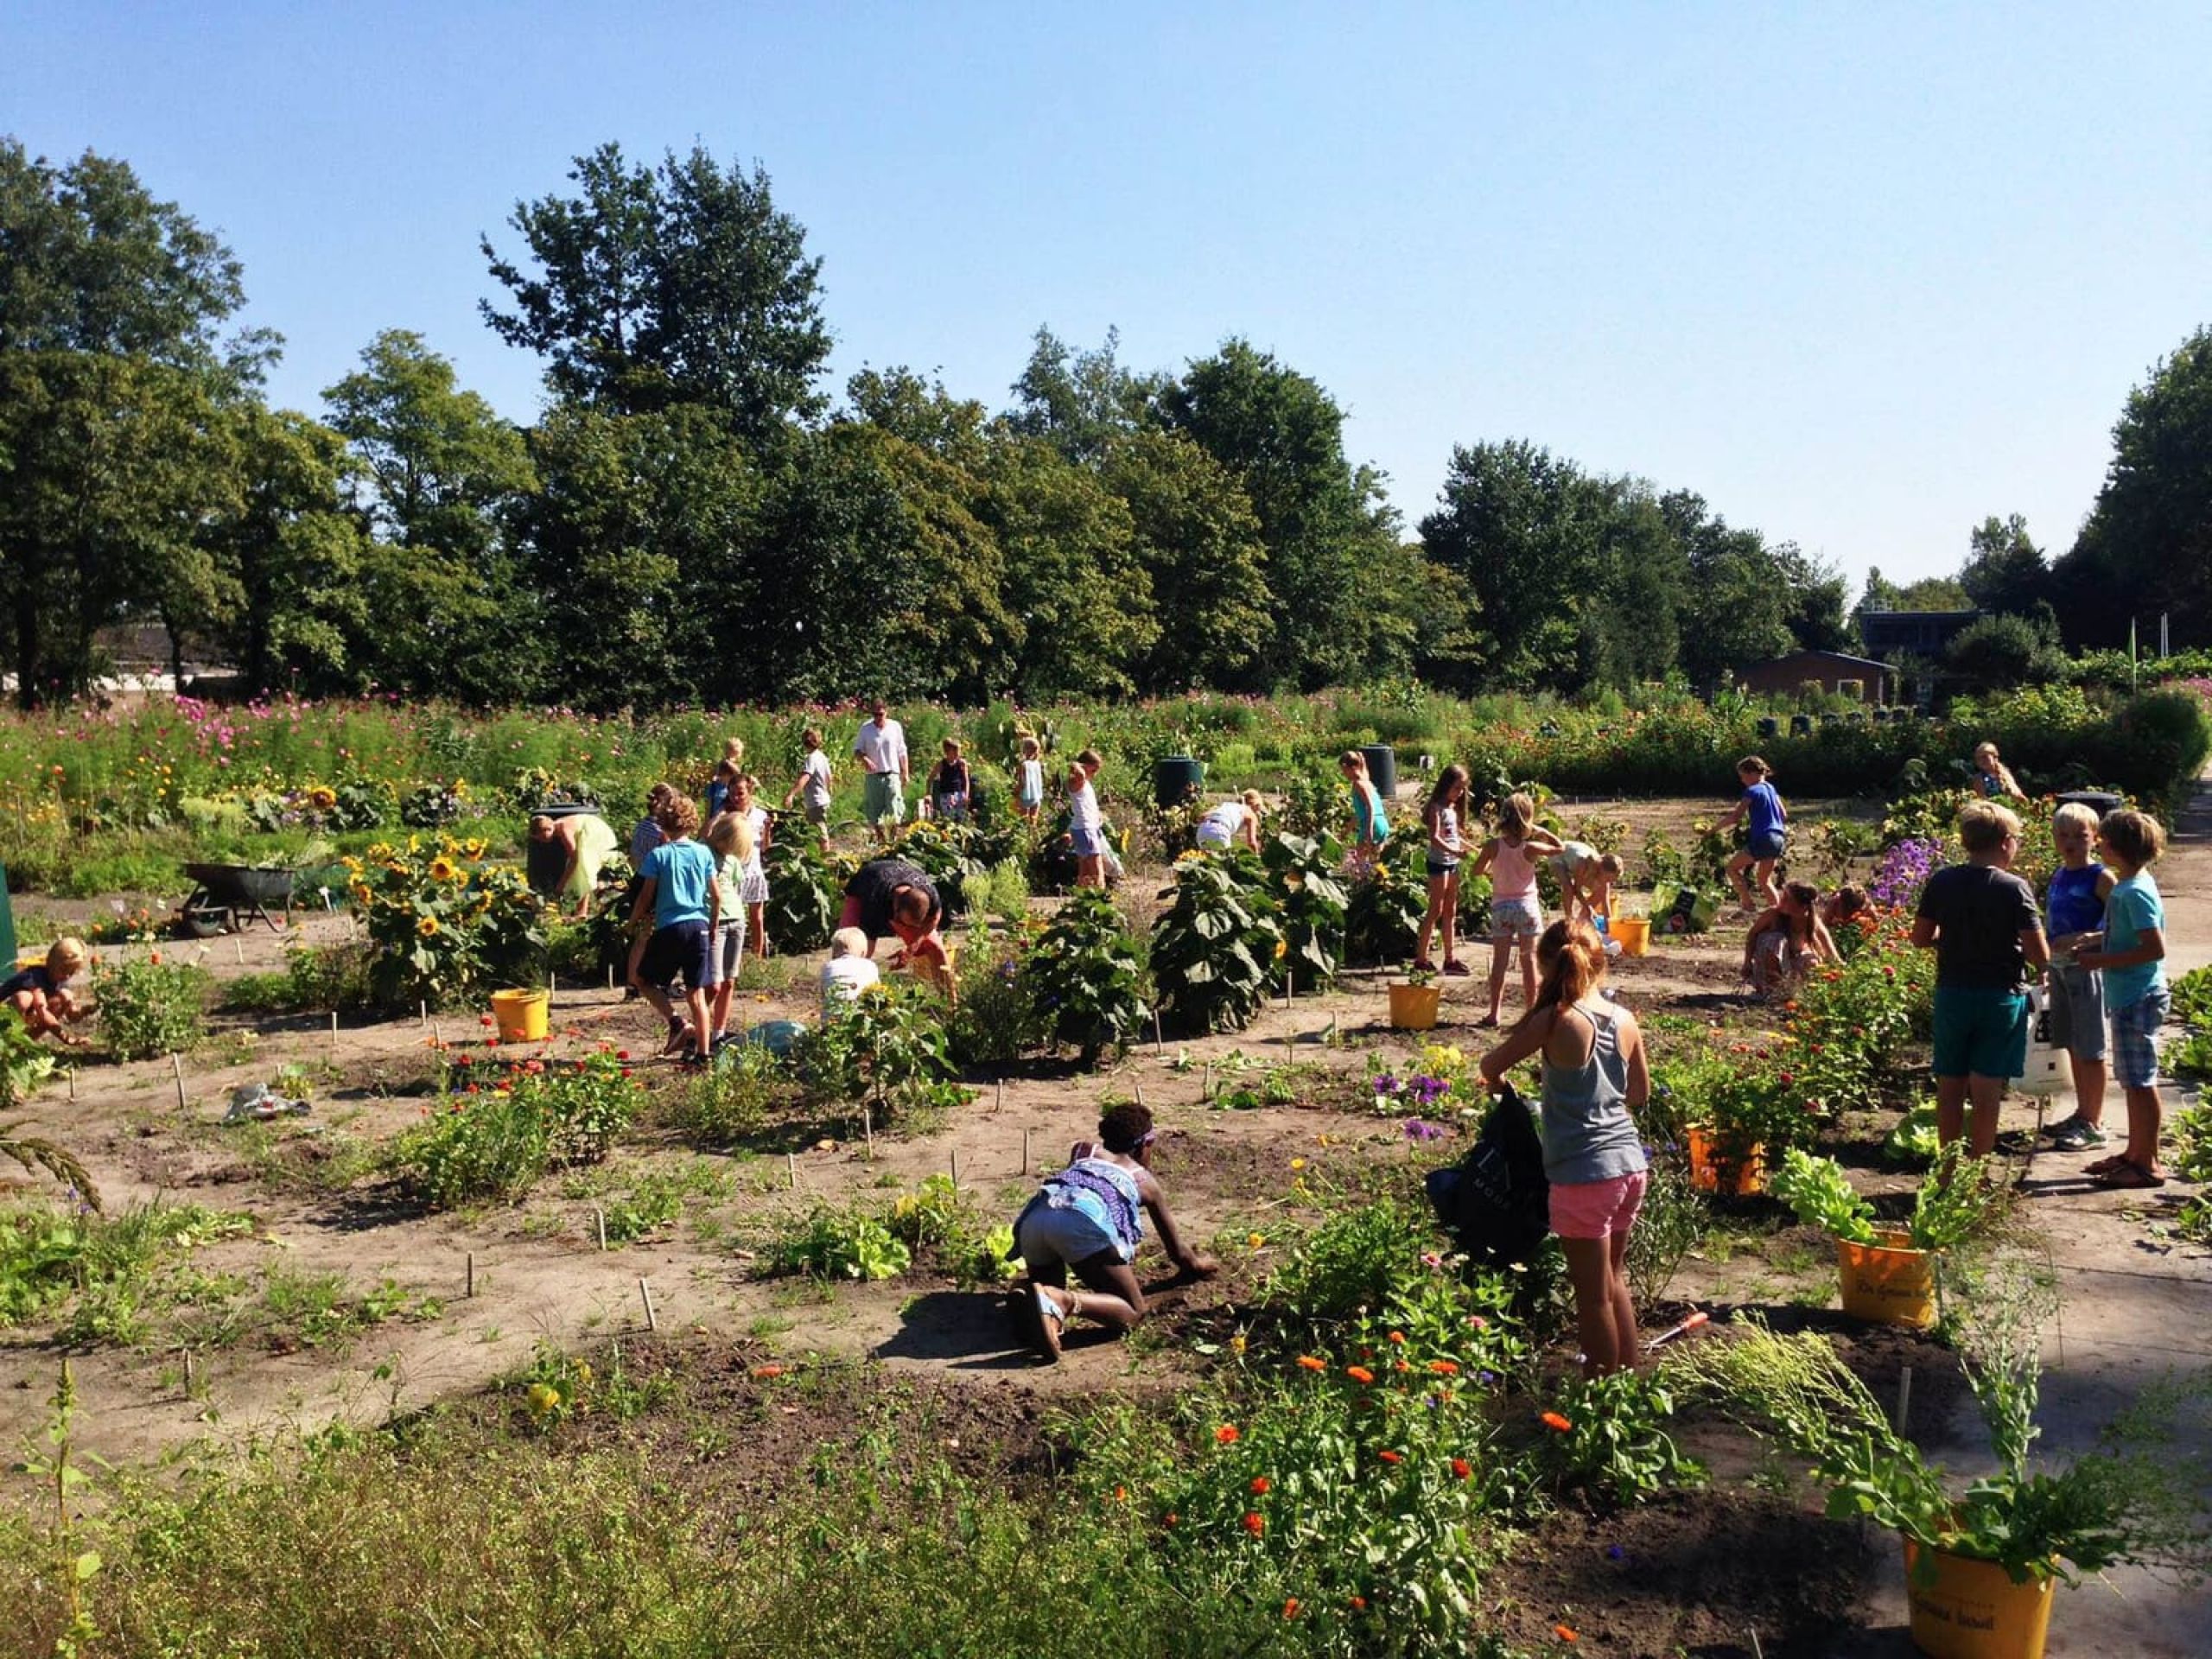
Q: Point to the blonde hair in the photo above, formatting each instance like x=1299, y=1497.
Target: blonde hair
x=66, y=957
x=730, y=833
x=1030, y=750
x=2136, y=836
x=847, y=941
x=1983, y=826
x=2074, y=812
x=733, y=751
x=952, y=747
x=1354, y=759
x=677, y=815
x=1258, y=808
x=1516, y=816
x=1573, y=962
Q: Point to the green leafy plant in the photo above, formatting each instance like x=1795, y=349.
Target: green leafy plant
x=840, y=1244
x=1083, y=976
x=1389, y=898
x=1216, y=947
x=25, y=1063
x=1912, y=1141
x=805, y=889
x=1959, y=1199
x=732, y=1099
x=1311, y=901
x=444, y=927
x=1616, y=1445
x=997, y=1019
x=494, y=1140
x=884, y=1049
x=1822, y=1196
x=149, y=1006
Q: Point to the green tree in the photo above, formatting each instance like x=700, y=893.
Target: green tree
x=1082, y=402
x=2004, y=571
x=2146, y=547
x=1998, y=652
x=654, y=287
x=1281, y=436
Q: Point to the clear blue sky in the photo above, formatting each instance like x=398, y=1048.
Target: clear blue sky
x=1859, y=274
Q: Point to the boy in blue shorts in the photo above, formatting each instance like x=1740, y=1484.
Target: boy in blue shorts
x=2131, y=954
x=1982, y=922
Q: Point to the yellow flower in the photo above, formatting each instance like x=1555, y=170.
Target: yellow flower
x=1298, y=1163
x=441, y=870
x=1283, y=948
x=1253, y=1241
x=361, y=894
x=543, y=1398
x=427, y=927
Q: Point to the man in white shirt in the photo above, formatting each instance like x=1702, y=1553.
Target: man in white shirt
x=881, y=749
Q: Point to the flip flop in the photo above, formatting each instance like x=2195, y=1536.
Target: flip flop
x=1041, y=1319
x=2129, y=1174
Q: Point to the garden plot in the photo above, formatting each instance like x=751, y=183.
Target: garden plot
x=341, y=1302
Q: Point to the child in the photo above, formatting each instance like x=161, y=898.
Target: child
x=41, y=993
x=1992, y=778
x=2075, y=911
x=813, y=782
x=643, y=839
x=1768, y=836
x=1031, y=792
x=950, y=784
x=848, y=971
x=1086, y=824
x=729, y=838
x=1090, y=1217
x=1233, y=822
x=1594, y=1076
x=755, y=889
x=1586, y=878
x=1981, y=920
x=1370, y=820
x=678, y=880
x=1516, y=911
x=2132, y=955
x=1447, y=845
x=1785, y=942
x=1847, y=904
x=718, y=787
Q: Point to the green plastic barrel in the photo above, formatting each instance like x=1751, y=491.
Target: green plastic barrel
x=1382, y=768
x=1177, y=778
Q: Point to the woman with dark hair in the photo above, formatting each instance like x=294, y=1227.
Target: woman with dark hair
x=1090, y=1217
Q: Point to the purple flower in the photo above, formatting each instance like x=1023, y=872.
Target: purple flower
x=1417, y=1131
x=1386, y=1085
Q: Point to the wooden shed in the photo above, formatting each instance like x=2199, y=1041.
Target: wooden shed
x=1833, y=670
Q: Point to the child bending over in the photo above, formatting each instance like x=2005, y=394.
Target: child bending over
x=1786, y=940
x=41, y=994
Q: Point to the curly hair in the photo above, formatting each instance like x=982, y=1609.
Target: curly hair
x=1125, y=1127
x=677, y=817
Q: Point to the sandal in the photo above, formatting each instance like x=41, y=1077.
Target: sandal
x=2105, y=1165
x=2129, y=1174
x=1041, y=1317
x=1454, y=966
x=1424, y=965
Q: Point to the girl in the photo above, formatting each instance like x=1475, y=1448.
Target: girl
x=1032, y=781
x=729, y=838
x=1231, y=822
x=813, y=782
x=1594, y=1076
x=1992, y=778
x=1090, y=1217
x=1446, y=847
x=1516, y=911
x=2132, y=951
x=2075, y=911
x=41, y=994
x=1785, y=942
x=949, y=784
x=1086, y=824
x=1586, y=883
x=755, y=890
x=1769, y=834
x=1371, y=822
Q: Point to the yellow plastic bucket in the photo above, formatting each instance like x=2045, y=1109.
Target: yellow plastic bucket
x=1413, y=1008
x=1888, y=1281
x=1710, y=1173
x=31, y=958
x=1965, y=1609
x=521, y=1015
x=1633, y=931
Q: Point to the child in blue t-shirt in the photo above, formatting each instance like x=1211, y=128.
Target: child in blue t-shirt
x=1767, y=836
x=677, y=882
x=2131, y=953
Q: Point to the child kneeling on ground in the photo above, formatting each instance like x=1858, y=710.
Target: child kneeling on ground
x=41, y=993
x=1090, y=1217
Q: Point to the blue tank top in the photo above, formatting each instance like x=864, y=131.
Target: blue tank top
x=2074, y=906
x=1767, y=816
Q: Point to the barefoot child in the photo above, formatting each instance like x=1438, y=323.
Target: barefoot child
x=2074, y=911
x=1594, y=1076
x=1586, y=877
x=754, y=889
x=1086, y=823
x=1090, y=1217
x=1447, y=845
x=1030, y=792
x=1785, y=942
x=1980, y=920
x=2132, y=955
x=813, y=782
x=1516, y=911
x=1768, y=836
x=41, y=994
x=729, y=838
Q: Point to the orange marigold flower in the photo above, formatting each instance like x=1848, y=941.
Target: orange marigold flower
x=1397, y=1336
x=1260, y=1485
x=1311, y=1363
x=1359, y=1374
x=1226, y=1434
x=1459, y=1469
x=1445, y=1367
x=1388, y=1456
x=1121, y=1494
x=767, y=1370
x=1359, y=1603
x=1552, y=1420
x=1290, y=1608
x=1255, y=1522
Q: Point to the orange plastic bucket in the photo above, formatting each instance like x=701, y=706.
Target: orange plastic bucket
x=1710, y=1173
x=1965, y=1609
x=1413, y=1007
x=1633, y=931
x=1888, y=1281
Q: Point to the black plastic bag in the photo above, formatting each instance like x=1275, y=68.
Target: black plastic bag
x=1496, y=1202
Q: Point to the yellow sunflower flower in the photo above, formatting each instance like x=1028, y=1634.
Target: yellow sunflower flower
x=442, y=869
x=427, y=927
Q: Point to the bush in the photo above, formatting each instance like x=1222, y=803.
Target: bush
x=1216, y=947
x=998, y=1018
x=731, y=1099
x=494, y=1140
x=805, y=892
x=149, y=1006
x=885, y=1048
x=316, y=979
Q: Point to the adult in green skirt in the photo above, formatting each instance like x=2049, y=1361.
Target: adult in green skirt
x=588, y=840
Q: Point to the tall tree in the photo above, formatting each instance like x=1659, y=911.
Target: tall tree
x=2146, y=547
x=653, y=287
x=2004, y=571
x=1081, y=402
x=1739, y=603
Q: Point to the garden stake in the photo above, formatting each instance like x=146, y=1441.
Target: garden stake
x=1140, y=1091
x=956, y=1169
x=468, y=1283
x=187, y=1372
x=1205, y=1089
x=867, y=1128
x=73, y=1082
x=237, y=949
x=598, y=1216
x=791, y=1169
x=1025, y=1151
x=1904, y=1396
x=1000, y=1107
x=425, y=1007
x=652, y=1319
x=1159, y=1041
x=177, y=1061
x=610, y=975
x=333, y=1031
x=1757, y=1652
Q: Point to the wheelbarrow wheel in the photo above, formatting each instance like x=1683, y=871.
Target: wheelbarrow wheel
x=201, y=918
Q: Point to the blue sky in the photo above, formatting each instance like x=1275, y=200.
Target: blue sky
x=1859, y=274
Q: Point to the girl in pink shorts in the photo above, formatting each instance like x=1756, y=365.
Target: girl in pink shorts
x=1594, y=1074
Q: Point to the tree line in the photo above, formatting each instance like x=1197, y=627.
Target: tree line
x=692, y=517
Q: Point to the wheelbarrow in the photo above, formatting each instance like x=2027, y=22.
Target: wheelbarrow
x=229, y=896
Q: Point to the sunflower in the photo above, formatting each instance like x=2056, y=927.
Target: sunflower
x=322, y=798
x=427, y=927
x=443, y=869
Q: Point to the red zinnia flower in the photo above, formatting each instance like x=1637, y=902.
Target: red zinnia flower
x=1359, y=1374
x=1226, y=1434
x=1312, y=1364
x=1255, y=1522
x=1388, y=1456
x=1552, y=1420
x=1260, y=1485
x=1290, y=1608
x=1459, y=1469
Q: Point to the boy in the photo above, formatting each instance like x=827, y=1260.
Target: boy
x=813, y=782
x=848, y=971
x=1982, y=922
x=1767, y=835
x=2074, y=914
x=1086, y=824
x=2132, y=955
x=678, y=880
